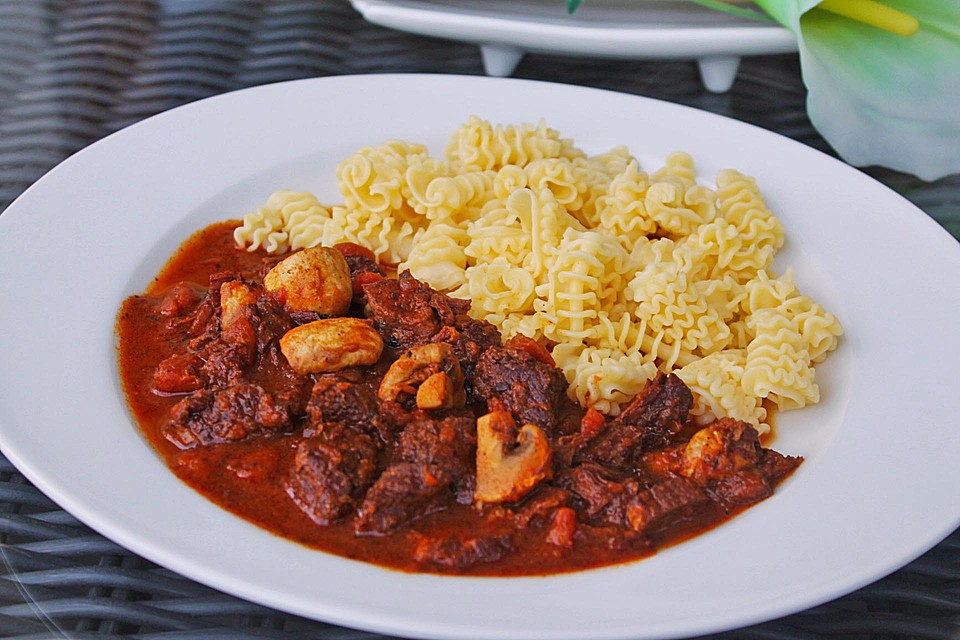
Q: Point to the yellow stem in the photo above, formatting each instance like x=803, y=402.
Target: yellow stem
x=873, y=13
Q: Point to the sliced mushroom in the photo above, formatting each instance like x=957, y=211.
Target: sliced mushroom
x=719, y=450
x=234, y=324
x=434, y=368
x=509, y=463
x=331, y=344
x=436, y=392
x=315, y=279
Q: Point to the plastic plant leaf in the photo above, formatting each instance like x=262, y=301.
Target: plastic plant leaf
x=878, y=97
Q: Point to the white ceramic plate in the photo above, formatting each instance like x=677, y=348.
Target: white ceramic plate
x=878, y=488
x=505, y=29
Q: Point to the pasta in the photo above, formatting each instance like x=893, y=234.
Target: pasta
x=620, y=272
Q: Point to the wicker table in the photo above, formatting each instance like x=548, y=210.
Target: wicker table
x=73, y=71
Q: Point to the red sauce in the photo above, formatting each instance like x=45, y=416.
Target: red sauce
x=246, y=477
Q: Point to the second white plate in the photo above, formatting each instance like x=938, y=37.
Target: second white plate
x=506, y=29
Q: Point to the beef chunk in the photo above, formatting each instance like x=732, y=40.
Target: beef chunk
x=434, y=466
x=363, y=268
x=334, y=399
x=604, y=496
x=224, y=415
x=664, y=504
x=651, y=420
x=776, y=466
x=331, y=472
x=541, y=506
x=270, y=322
x=461, y=552
x=481, y=332
x=178, y=299
x=617, y=445
x=741, y=488
x=276, y=375
x=393, y=417
x=451, y=443
x=660, y=409
x=405, y=491
x=179, y=373
x=223, y=363
x=407, y=312
x=517, y=382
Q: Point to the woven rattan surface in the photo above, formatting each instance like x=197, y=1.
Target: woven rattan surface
x=73, y=71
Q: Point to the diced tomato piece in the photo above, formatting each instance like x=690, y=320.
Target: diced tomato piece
x=592, y=423
x=354, y=249
x=532, y=347
x=563, y=528
x=366, y=277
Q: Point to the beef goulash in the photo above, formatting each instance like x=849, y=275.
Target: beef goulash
x=369, y=416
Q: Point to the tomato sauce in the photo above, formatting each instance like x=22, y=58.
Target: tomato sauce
x=247, y=477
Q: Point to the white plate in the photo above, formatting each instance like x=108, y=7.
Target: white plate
x=506, y=29
x=881, y=479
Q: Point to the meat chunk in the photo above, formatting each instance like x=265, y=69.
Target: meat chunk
x=180, y=373
x=433, y=466
x=407, y=312
x=224, y=363
x=335, y=400
x=360, y=277
x=618, y=445
x=540, y=507
x=515, y=381
x=461, y=552
x=649, y=421
x=363, y=268
x=661, y=409
x=331, y=472
x=449, y=443
x=776, y=466
x=224, y=415
x=178, y=299
x=603, y=496
x=480, y=332
x=664, y=504
x=741, y=488
x=403, y=492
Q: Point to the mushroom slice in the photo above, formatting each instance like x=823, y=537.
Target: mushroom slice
x=434, y=368
x=719, y=450
x=235, y=297
x=331, y=344
x=315, y=279
x=436, y=392
x=509, y=463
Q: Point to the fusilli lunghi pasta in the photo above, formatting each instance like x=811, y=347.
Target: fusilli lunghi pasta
x=620, y=272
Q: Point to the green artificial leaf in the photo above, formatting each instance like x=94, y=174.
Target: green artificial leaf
x=572, y=5
x=880, y=98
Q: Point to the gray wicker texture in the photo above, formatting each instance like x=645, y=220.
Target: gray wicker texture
x=74, y=71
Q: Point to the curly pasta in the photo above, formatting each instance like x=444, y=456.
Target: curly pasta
x=714, y=381
x=619, y=271
x=480, y=146
x=602, y=378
